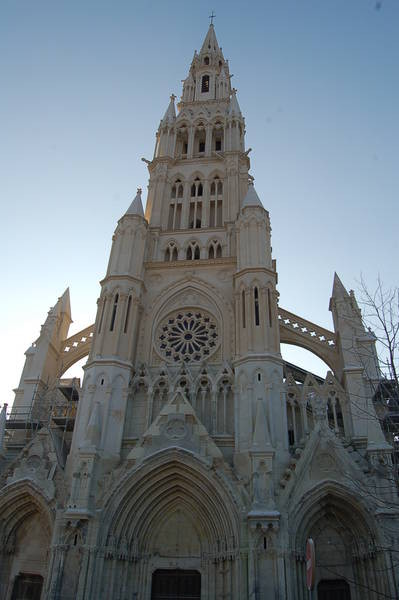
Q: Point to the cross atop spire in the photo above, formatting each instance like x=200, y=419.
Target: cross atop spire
x=211, y=17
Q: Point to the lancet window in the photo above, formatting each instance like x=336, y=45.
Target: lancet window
x=159, y=399
x=200, y=140
x=114, y=309
x=182, y=142
x=204, y=404
x=334, y=413
x=225, y=409
x=193, y=251
x=171, y=252
x=195, y=215
x=217, y=137
x=256, y=306
x=175, y=207
x=215, y=249
x=127, y=316
x=205, y=84
x=216, y=203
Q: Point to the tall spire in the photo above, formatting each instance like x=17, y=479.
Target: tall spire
x=210, y=45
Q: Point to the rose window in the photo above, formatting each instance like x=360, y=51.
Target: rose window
x=188, y=336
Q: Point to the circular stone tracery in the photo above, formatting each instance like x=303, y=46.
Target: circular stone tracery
x=188, y=336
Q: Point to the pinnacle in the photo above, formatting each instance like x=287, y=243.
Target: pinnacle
x=252, y=198
x=136, y=207
x=234, y=107
x=170, y=114
x=339, y=290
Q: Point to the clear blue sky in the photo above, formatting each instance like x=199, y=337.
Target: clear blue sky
x=84, y=85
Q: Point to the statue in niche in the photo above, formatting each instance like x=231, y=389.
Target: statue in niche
x=263, y=489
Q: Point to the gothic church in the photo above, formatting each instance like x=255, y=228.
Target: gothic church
x=192, y=462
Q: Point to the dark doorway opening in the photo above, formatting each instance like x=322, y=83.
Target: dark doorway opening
x=176, y=584
x=27, y=587
x=333, y=589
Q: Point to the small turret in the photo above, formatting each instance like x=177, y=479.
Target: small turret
x=165, y=134
x=43, y=358
x=136, y=207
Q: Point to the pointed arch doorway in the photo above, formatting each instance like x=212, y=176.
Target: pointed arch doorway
x=176, y=584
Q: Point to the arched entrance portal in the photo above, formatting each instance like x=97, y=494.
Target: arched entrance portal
x=172, y=533
x=177, y=584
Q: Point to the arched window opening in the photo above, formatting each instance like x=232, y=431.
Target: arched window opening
x=174, y=219
x=256, y=305
x=206, y=60
x=334, y=413
x=193, y=251
x=203, y=404
x=215, y=250
x=216, y=203
x=173, y=194
x=243, y=308
x=181, y=143
x=269, y=307
x=129, y=303
x=217, y=137
x=114, y=309
x=225, y=412
x=171, y=252
x=205, y=84
x=195, y=212
x=102, y=315
x=180, y=191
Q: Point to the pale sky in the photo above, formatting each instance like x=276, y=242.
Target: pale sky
x=83, y=88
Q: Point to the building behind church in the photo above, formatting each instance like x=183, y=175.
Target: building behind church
x=192, y=461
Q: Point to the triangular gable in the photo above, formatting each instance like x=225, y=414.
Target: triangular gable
x=177, y=425
x=323, y=458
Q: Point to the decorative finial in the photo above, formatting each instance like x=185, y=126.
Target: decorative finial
x=211, y=17
x=173, y=97
x=139, y=190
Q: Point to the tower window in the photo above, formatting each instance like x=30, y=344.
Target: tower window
x=206, y=60
x=205, y=84
x=216, y=203
x=243, y=308
x=129, y=303
x=269, y=307
x=218, y=144
x=102, y=315
x=201, y=147
x=114, y=309
x=256, y=304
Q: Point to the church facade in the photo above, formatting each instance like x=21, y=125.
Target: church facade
x=193, y=462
